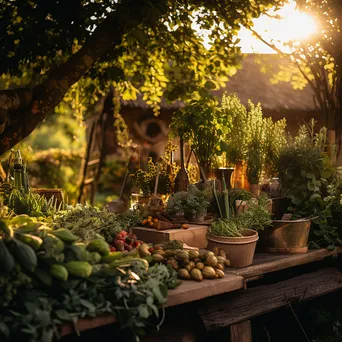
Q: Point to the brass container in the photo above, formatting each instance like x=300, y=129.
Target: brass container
x=288, y=236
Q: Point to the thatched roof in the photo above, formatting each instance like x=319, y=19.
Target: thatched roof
x=250, y=83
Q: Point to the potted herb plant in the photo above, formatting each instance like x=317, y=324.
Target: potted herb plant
x=253, y=143
x=236, y=232
x=203, y=124
x=305, y=173
x=192, y=204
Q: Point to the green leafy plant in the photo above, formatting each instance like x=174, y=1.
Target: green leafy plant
x=31, y=203
x=231, y=221
x=253, y=138
x=204, y=125
x=308, y=178
x=87, y=221
x=168, y=170
x=193, y=202
x=43, y=285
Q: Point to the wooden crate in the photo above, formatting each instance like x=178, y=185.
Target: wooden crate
x=194, y=236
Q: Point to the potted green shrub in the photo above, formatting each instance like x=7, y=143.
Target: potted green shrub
x=305, y=173
x=253, y=140
x=234, y=231
x=192, y=204
x=203, y=124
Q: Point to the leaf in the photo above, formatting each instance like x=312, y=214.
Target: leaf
x=203, y=92
x=143, y=311
x=311, y=186
x=4, y=329
x=310, y=175
x=319, y=232
x=210, y=85
x=63, y=315
x=149, y=300
x=314, y=197
x=155, y=310
x=87, y=304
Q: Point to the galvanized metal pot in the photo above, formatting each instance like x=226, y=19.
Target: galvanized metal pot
x=288, y=236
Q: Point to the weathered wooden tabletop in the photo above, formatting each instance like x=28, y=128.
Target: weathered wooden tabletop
x=234, y=279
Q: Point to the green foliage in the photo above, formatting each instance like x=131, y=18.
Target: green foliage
x=307, y=177
x=62, y=130
x=56, y=168
x=168, y=170
x=31, y=203
x=36, y=314
x=305, y=171
x=162, y=56
x=231, y=220
x=193, y=202
x=33, y=304
x=204, y=125
x=112, y=172
x=253, y=138
x=87, y=222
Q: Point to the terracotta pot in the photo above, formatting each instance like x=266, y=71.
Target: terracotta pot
x=198, y=218
x=254, y=189
x=239, y=177
x=290, y=237
x=239, y=250
x=226, y=173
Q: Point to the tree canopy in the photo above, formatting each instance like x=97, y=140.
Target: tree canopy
x=69, y=49
x=317, y=60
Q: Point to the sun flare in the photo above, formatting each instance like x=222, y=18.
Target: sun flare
x=292, y=26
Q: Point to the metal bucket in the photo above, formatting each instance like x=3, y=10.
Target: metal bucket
x=288, y=236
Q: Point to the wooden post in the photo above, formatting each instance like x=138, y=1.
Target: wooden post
x=241, y=332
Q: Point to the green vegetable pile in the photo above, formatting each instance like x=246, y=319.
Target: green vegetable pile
x=48, y=278
x=86, y=221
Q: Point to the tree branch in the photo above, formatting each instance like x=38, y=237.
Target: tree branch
x=49, y=94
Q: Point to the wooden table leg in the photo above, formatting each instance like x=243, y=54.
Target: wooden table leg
x=241, y=332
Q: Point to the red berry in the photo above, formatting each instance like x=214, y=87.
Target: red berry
x=158, y=248
x=112, y=249
x=136, y=243
x=129, y=248
x=151, y=249
x=123, y=233
x=119, y=236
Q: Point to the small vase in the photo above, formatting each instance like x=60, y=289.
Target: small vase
x=226, y=173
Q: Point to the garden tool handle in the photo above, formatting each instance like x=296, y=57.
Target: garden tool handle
x=157, y=181
x=126, y=174
x=203, y=174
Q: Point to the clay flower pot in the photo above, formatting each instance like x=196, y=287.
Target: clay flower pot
x=239, y=250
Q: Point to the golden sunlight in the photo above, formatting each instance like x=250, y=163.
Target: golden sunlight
x=287, y=24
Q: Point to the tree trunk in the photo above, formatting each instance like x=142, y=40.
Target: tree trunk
x=21, y=111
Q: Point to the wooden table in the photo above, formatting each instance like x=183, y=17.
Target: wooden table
x=231, y=302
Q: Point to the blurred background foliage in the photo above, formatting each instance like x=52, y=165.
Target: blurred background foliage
x=53, y=153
